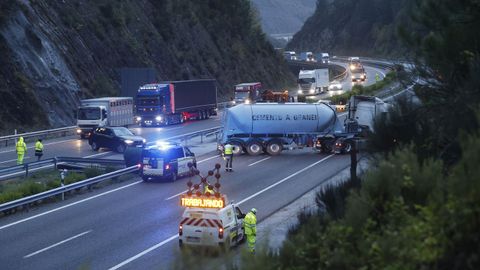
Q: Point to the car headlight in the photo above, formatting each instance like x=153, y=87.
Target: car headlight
x=139, y=118
x=363, y=76
x=247, y=101
x=353, y=77
x=312, y=91
x=158, y=118
x=128, y=141
x=144, y=140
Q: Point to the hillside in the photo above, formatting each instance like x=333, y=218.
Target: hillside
x=55, y=52
x=284, y=16
x=361, y=27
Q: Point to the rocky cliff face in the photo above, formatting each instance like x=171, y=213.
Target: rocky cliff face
x=284, y=16
x=55, y=52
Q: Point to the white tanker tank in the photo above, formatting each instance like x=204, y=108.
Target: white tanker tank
x=271, y=127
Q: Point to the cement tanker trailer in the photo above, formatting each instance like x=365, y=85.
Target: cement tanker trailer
x=273, y=127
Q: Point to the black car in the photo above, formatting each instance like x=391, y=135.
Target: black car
x=115, y=138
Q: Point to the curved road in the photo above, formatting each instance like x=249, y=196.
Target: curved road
x=134, y=225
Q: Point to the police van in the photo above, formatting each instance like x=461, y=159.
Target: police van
x=162, y=160
x=209, y=223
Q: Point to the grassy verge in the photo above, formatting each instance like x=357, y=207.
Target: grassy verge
x=47, y=180
x=365, y=90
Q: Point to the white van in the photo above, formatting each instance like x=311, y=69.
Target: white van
x=211, y=227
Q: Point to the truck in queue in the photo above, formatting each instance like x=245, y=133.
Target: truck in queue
x=273, y=127
x=247, y=92
x=323, y=58
x=102, y=112
x=307, y=57
x=312, y=82
x=290, y=55
x=173, y=102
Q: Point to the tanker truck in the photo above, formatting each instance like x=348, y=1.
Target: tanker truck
x=273, y=127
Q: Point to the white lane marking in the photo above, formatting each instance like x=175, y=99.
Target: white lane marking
x=11, y=160
x=144, y=252
x=256, y=162
x=173, y=237
x=203, y=160
x=176, y=195
x=68, y=205
x=57, y=244
x=284, y=179
x=13, y=150
x=99, y=154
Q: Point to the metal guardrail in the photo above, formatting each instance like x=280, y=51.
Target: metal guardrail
x=4, y=140
x=25, y=169
x=63, y=189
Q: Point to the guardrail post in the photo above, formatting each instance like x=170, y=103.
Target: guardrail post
x=201, y=138
x=62, y=181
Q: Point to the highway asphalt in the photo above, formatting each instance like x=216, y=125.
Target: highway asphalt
x=106, y=227
x=134, y=225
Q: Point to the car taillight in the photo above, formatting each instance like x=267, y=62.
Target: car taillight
x=167, y=167
x=180, y=230
x=220, y=233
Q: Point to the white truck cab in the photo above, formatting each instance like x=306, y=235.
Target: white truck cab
x=208, y=226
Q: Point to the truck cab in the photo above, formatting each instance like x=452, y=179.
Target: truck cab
x=219, y=226
x=90, y=117
x=313, y=82
x=247, y=92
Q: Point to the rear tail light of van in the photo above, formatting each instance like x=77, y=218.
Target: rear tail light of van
x=220, y=233
x=180, y=230
x=167, y=166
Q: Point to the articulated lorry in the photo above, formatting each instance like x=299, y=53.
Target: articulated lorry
x=100, y=112
x=247, y=92
x=313, y=82
x=274, y=127
x=174, y=102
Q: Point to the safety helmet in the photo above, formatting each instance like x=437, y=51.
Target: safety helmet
x=254, y=210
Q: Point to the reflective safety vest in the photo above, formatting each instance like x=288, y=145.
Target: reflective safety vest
x=250, y=224
x=21, y=147
x=38, y=147
x=228, y=149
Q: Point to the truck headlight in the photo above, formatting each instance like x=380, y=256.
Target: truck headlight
x=312, y=91
x=300, y=91
x=353, y=77
x=128, y=141
x=139, y=118
x=79, y=131
x=158, y=118
x=363, y=76
x=247, y=101
x=144, y=140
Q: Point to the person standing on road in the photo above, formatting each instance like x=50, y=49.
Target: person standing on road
x=21, y=149
x=39, y=149
x=228, y=155
x=250, y=228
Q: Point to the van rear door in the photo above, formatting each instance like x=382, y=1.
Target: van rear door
x=201, y=227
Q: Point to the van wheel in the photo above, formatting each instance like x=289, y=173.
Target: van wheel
x=274, y=148
x=174, y=177
x=94, y=146
x=121, y=148
x=254, y=148
x=348, y=147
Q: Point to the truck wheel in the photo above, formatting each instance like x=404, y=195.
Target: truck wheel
x=207, y=114
x=94, y=146
x=237, y=148
x=274, y=148
x=145, y=178
x=254, y=148
x=301, y=99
